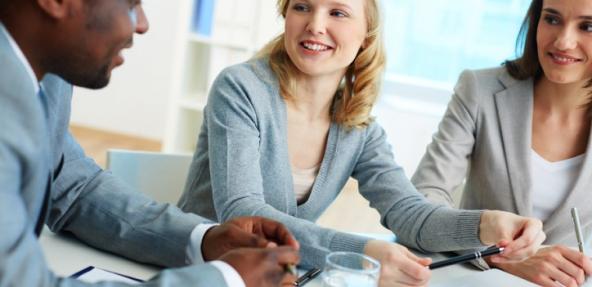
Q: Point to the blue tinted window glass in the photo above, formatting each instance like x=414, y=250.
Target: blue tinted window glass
x=435, y=40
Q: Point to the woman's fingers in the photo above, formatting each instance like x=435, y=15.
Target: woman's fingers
x=415, y=270
x=524, y=246
x=399, y=266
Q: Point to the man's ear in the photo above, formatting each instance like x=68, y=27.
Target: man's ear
x=57, y=9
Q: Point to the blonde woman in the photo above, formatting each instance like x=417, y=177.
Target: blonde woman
x=283, y=133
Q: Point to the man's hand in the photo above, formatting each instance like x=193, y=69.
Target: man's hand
x=245, y=232
x=550, y=265
x=263, y=267
x=399, y=267
x=520, y=236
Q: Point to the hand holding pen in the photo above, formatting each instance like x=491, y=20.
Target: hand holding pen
x=553, y=264
x=307, y=277
x=520, y=236
x=261, y=250
x=557, y=263
x=241, y=232
x=263, y=267
x=399, y=266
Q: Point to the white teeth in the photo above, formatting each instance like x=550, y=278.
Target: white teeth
x=315, y=47
x=564, y=59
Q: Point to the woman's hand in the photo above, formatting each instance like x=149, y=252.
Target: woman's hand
x=520, y=236
x=399, y=267
x=554, y=263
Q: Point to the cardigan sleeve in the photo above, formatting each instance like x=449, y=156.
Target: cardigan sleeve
x=236, y=176
x=444, y=166
x=417, y=223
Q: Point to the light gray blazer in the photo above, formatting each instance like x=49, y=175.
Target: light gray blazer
x=39, y=155
x=485, y=138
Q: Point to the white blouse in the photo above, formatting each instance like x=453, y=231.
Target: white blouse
x=552, y=182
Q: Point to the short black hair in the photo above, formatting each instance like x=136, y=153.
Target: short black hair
x=4, y=6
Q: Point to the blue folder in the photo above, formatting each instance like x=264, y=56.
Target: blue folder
x=203, y=15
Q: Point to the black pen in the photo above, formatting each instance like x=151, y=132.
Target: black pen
x=311, y=274
x=467, y=257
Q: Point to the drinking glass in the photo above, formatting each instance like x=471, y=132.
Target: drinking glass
x=349, y=269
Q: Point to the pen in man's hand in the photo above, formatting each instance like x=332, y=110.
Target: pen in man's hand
x=467, y=257
x=291, y=268
x=311, y=274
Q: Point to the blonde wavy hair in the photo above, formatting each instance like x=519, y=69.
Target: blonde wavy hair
x=360, y=87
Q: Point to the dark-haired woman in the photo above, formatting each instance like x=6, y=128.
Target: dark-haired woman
x=519, y=135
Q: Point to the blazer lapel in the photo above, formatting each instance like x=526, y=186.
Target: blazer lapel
x=44, y=206
x=514, y=109
x=18, y=88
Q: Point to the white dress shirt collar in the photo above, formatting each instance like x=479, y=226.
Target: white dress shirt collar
x=21, y=57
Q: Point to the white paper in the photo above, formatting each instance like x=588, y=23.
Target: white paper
x=489, y=278
x=96, y=275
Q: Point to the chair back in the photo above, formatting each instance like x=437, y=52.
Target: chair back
x=161, y=176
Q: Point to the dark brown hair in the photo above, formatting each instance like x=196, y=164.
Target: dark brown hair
x=527, y=65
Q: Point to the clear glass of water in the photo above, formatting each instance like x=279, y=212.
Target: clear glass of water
x=349, y=269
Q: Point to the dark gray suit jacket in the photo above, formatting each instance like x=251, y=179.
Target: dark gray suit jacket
x=38, y=156
x=485, y=137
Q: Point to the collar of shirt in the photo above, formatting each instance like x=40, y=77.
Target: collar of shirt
x=21, y=57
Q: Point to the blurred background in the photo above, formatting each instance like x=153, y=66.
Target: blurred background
x=155, y=101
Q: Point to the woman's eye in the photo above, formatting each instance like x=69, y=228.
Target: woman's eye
x=552, y=20
x=300, y=7
x=586, y=27
x=338, y=13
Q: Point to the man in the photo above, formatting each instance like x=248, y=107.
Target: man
x=46, y=178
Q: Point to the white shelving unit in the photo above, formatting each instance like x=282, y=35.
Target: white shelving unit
x=239, y=29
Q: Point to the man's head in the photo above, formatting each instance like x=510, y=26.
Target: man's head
x=79, y=40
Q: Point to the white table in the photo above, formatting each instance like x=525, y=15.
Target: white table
x=66, y=255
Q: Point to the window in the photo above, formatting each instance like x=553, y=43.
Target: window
x=430, y=42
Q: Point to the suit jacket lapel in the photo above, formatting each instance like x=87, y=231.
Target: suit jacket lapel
x=44, y=207
x=514, y=109
x=15, y=85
